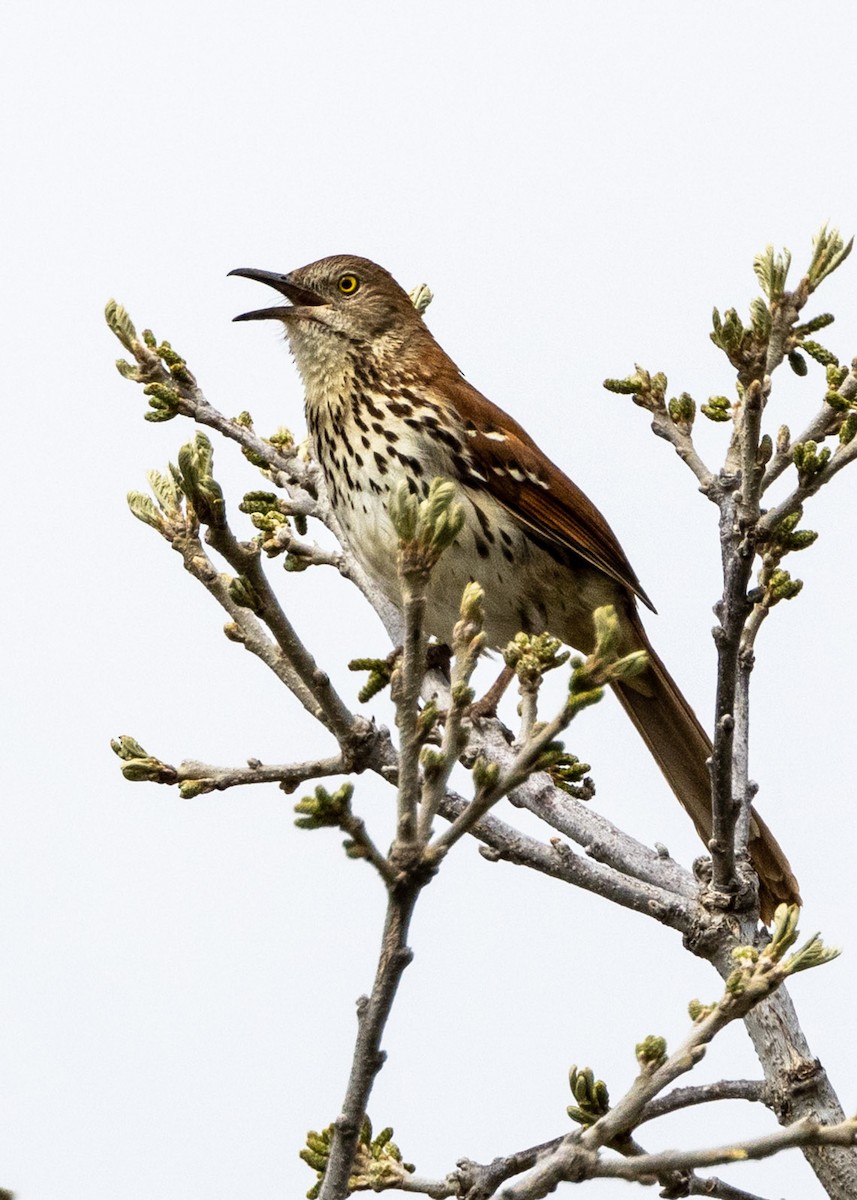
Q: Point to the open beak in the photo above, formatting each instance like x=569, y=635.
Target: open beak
x=300, y=297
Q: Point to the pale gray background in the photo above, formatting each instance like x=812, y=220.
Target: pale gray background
x=579, y=184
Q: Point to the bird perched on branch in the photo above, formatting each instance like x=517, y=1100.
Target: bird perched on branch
x=384, y=403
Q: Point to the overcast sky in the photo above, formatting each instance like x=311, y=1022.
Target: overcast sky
x=579, y=184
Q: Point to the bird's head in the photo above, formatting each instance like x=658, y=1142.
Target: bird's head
x=336, y=305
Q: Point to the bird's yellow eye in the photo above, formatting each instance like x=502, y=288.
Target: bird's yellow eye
x=348, y=284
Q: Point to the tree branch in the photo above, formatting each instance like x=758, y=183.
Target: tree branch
x=756, y=977
x=329, y=707
x=209, y=778
x=559, y=861
x=372, y=1014
x=679, y=437
x=825, y=423
x=802, y=1133
x=753, y=1090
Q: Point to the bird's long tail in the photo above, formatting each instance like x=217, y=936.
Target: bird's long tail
x=680, y=746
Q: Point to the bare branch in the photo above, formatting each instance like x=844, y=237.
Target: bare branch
x=559, y=862
x=372, y=1014
x=208, y=778
x=753, y=1090
x=246, y=559
x=680, y=439
x=802, y=1133
x=245, y=628
x=601, y=840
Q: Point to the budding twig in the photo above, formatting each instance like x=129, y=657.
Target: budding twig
x=755, y=977
x=467, y=643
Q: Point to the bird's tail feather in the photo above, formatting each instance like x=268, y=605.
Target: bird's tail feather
x=681, y=747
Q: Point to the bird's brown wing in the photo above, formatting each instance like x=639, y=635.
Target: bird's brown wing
x=536, y=492
x=540, y=496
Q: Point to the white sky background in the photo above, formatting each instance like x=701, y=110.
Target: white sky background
x=579, y=184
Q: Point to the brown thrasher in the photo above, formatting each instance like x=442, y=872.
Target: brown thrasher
x=385, y=403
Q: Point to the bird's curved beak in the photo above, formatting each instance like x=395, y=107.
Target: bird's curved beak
x=301, y=297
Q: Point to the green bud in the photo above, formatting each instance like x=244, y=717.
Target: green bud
x=148, y=770
x=426, y=527
x=168, y=397
x=318, y=1162
x=813, y=954
x=718, y=408
x=120, y=324
x=771, y=271
x=441, y=515
x=324, y=808
x=295, y=564
x=380, y=673
x=144, y=509
x=809, y=459
x=471, y=608
x=260, y=502
x=196, y=460
x=816, y=323
x=651, y=1052
x=421, y=297
x=243, y=594
x=607, y=630
x=127, y=747
x=159, y=411
x=583, y=1084
x=802, y=538
x=570, y=775
x=383, y=1138
x=682, y=410
x=837, y=402
x=462, y=695
x=646, y=390
x=781, y=586
x=765, y=451
x=821, y=355
x=622, y=387
x=128, y=370
x=167, y=492
x=829, y=251
x=485, y=774
x=729, y=333
x=848, y=428
x=835, y=376
x=784, y=931
x=798, y=363
x=282, y=438
x=630, y=666
x=432, y=761
x=760, y=318
x=189, y=788
x=404, y=508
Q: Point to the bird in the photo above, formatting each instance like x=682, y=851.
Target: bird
x=385, y=403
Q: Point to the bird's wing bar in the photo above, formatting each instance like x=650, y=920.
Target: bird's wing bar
x=537, y=493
